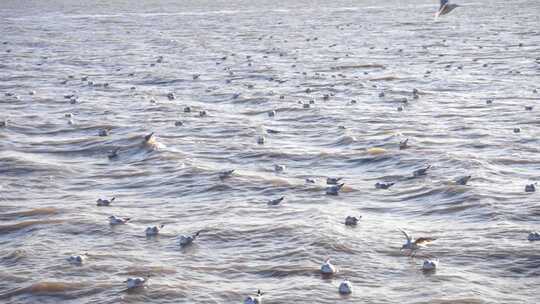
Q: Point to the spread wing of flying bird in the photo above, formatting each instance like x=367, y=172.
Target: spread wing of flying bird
x=424, y=240
x=443, y=3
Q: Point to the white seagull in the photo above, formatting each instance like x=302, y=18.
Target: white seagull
x=113, y=220
x=430, y=265
x=187, y=240
x=226, y=174
x=135, y=282
x=77, y=259
x=345, y=288
x=153, y=231
x=104, y=202
x=257, y=299
x=327, y=268
x=334, y=189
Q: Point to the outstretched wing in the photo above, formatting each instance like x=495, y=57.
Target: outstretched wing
x=443, y=3
x=424, y=240
x=405, y=234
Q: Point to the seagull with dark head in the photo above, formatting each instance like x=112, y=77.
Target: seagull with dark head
x=257, y=299
x=186, y=240
x=226, y=174
x=421, y=172
x=463, y=180
x=276, y=201
x=334, y=189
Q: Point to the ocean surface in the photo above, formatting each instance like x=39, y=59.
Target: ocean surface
x=475, y=70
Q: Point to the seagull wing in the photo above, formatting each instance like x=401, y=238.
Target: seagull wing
x=424, y=240
x=443, y=3
x=405, y=234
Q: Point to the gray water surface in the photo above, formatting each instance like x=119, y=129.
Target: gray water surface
x=52, y=172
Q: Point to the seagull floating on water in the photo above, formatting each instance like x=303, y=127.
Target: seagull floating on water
x=421, y=172
x=530, y=188
x=345, y=288
x=445, y=8
x=403, y=144
x=383, y=185
x=276, y=201
x=113, y=154
x=351, y=220
x=333, y=180
x=463, y=180
x=414, y=245
x=279, y=168
x=105, y=202
x=153, y=231
x=430, y=265
x=226, y=174
x=334, y=189
x=113, y=220
x=327, y=268
x=77, y=259
x=534, y=236
x=257, y=299
x=135, y=282
x=187, y=240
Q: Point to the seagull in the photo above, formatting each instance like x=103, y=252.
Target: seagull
x=430, y=265
x=445, y=8
x=187, y=240
x=403, y=144
x=270, y=131
x=345, y=288
x=416, y=244
x=105, y=202
x=279, y=168
x=530, y=188
x=135, y=282
x=534, y=236
x=103, y=132
x=463, y=180
x=276, y=201
x=327, y=268
x=421, y=172
x=153, y=231
x=77, y=259
x=257, y=299
x=113, y=220
x=113, y=154
x=333, y=180
x=272, y=113
x=334, y=190
x=383, y=185
x=226, y=174
x=351, y=220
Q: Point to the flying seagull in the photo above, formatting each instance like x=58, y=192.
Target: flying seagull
x=445, y=8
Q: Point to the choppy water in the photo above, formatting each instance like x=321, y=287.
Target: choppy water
x=52, y=172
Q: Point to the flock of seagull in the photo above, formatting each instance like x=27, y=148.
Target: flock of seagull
x=334, y=185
